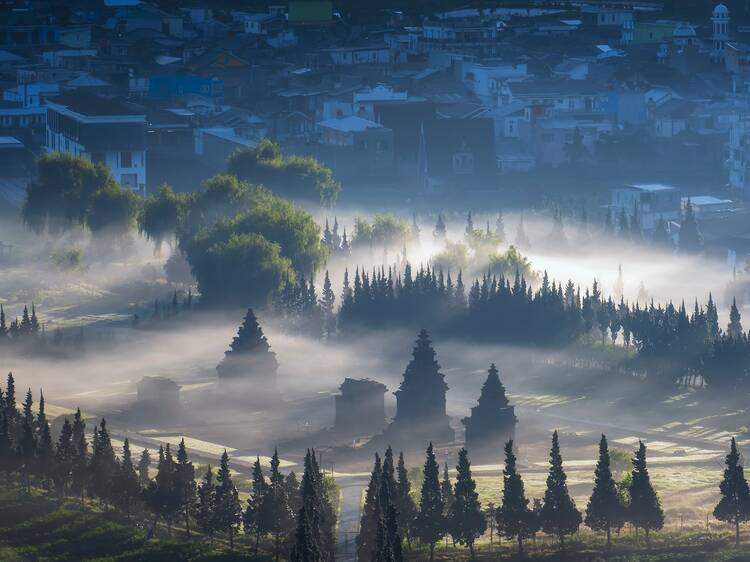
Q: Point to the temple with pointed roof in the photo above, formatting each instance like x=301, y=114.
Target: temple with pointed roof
x=493, y=420
x=420, y=400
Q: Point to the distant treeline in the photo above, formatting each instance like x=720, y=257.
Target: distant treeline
x=673, y=346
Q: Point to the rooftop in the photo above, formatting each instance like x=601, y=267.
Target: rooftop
x=650, y=187
x=92, y=105
x=351, y=124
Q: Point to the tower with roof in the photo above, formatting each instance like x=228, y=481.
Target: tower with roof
x=720, y=35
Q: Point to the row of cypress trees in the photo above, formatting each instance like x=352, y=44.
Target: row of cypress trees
x=454, y=509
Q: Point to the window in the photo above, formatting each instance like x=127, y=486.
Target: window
x=126, y=159
x=129, y=180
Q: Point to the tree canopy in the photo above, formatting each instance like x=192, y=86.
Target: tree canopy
x=296, y=177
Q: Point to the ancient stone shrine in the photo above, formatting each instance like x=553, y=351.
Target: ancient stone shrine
x=157, y=397
x=420, y=400
x=360, y=408
x=250, y=360
x=492, y=421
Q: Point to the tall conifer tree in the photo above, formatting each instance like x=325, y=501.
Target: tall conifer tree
x=514, y=518
x=429, y=525
x=604, y=512
x=734, y=505
x=466, y=520
x=644, y=511
x=559, y=515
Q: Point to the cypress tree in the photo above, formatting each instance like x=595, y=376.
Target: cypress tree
x=185, y=485
x=45, y=455
x=161, y=496
x=368, y=525
x=125, y=486
x=402, y=500
x=446, y=489
x=559, y=515
x=102, y=466
x=514, y=518
x=691, y=240
x=604, y=511
x=307, y=537
x=64, y=454
x=206, y=505
x=466, y=520
x=327, y=521
x=11, y=410
x=327, y=303
x=80, y=450
x=26, y=451
x=440, y=231
x=734, y=328
x=3, y=325
x=645, y=510
x=429, y=525
x=144, y=462
x=278, y=513
x=228, y=509
x=252, y=519
x=734, y=505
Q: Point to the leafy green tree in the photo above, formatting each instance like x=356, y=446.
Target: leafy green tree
x=228, y=514
x=125, y=486
x=162, y=215
x=466, y=520
x=291, y=176
x=604, y=512
x=514, y=518
x=112, y=211
x=644, y=511
x=559, y=515
x=244, y=270
x=62, y=192
x=429, y=525
x=734, y=505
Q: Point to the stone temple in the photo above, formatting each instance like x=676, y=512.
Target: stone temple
x=360, y=408
x=492, y=421
x=420, y=401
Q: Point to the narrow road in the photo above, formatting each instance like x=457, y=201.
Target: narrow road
x=351, y=489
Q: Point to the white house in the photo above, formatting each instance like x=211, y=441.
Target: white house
x=100, y=129
x=651, y=201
